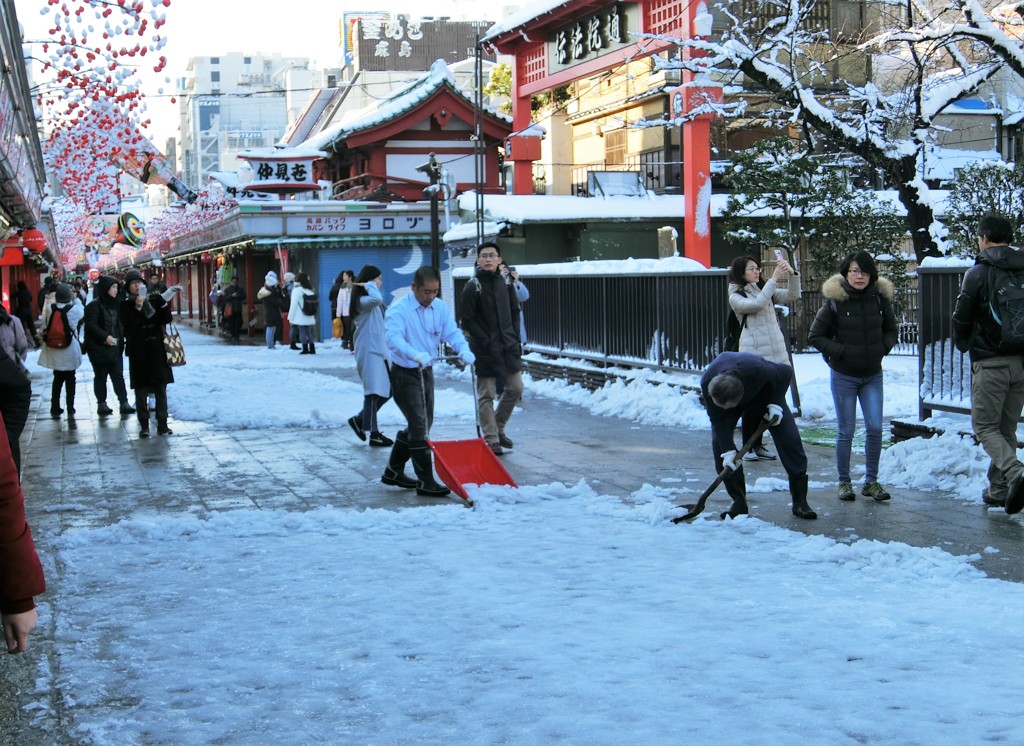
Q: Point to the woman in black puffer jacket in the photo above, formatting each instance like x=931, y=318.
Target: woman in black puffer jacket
x=854, y=329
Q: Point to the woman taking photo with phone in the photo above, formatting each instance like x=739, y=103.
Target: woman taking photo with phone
x=753, y=302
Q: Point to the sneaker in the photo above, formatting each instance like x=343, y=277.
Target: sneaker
x=380, y=440
x=496, y=448
x=760, y=453
x=875, y=490
x=992, y=501
x=504, y=440
x=127, y=408
x=144, y=433
x=103, y=410
x=750, y=456
x=846, y=493
x=164, y=431
x=357, y=427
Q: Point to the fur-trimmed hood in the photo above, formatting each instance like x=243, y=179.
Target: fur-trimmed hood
x=835, y=288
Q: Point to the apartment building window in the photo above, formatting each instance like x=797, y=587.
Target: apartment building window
x=247, y=60
x=615, y=147
x=215, y=60
x=215, y=76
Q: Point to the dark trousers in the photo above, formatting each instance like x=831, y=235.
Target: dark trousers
x=787, y=441
x=142, y=404
x=111, y=366
x=347, y=329
x=415, y=398
x=368, y=416
x=62, y=379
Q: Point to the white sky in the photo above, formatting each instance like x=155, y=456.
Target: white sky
x=299, y=28
x=552, y=613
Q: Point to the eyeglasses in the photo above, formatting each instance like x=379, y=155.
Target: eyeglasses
x=488, y=255
x=859, y=272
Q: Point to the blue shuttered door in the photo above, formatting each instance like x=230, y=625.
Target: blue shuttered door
x=397, y=265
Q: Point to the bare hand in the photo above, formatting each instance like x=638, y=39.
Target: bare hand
x=110, y=341
x=139, y=300
x=782, y=270
x=17, y=628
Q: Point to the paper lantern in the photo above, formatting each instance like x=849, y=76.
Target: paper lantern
x=34, y=240
x=206, y=257
x=94, y=274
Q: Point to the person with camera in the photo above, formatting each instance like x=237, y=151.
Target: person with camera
x=143, y=317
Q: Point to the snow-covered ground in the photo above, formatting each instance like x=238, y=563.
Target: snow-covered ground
x=548, y=614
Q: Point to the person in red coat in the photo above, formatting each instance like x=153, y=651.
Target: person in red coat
x=21, y=574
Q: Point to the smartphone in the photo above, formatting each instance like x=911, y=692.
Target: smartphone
x=779, y=257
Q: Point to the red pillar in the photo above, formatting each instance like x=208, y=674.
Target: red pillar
x=522, y=171
x=696, y=137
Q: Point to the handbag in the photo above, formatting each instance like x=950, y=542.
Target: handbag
x=173, y=348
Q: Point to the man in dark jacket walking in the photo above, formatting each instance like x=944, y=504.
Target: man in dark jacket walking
x=104, y=343
x=490, y=321
x=997, y=374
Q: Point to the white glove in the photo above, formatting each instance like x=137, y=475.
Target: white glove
x=729, y=460
x=423, y=359
x=170, y=292
x=773, y=415
x=467, y=357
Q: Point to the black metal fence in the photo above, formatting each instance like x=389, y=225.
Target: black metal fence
x=672, y=321
x=945, y=372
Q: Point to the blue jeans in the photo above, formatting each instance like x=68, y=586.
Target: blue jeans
x=846, y=391
x=271, y=331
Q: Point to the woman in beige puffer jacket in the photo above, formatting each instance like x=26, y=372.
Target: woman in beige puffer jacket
x=761, y=334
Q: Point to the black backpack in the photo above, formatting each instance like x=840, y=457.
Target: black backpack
x=310, y=305
x=1006, y=303
x=734, y=328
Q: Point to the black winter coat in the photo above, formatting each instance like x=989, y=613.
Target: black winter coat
x=102, y=320
x=855, y=329
x=490, y=320
x=144, y=340
x=274, y=302
x=974, y=327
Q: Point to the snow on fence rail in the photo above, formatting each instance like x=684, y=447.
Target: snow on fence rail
x=945, y=372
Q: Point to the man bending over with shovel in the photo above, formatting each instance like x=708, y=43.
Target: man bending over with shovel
x=416, y=325
x=733, y=383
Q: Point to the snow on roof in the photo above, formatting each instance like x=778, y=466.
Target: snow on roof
x=398, y=102
x=602, y=267
x=973, y=105
x=524, y=15
x=943, y=163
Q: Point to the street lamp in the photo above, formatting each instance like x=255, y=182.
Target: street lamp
x=433, y=171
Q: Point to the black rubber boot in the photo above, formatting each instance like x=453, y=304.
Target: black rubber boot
x=798, y=489
x=312, y=348
x=423, y=463
x=736, y=486
x=394, y=472
x=305, y=348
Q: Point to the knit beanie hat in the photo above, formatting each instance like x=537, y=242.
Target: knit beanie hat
x=289, y=277
x=271, y=279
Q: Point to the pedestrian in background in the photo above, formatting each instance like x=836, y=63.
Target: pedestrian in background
x=298, y=318
x=104, y=342
x=23, y=310
x=734, y=383
x=490, y=321
x=143, y=316
x=854, y=329
x=274, y=302
x=21, y=574
x=289, y=285
x=416, y=326
x=12, y=337
x=753, y=301
x=372, y=359
x=997, y=373
x=15, y=399
x=232, y=298
x=63, y=361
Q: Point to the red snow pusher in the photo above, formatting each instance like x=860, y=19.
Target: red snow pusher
x=470, y=461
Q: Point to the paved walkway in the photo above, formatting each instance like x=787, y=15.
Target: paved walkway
x=100, y=473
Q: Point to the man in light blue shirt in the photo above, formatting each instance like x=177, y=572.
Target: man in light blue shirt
x=416, y=325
